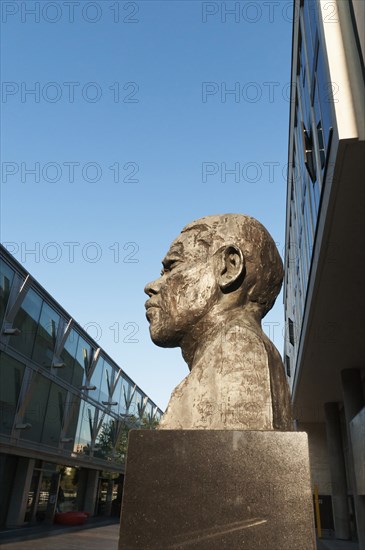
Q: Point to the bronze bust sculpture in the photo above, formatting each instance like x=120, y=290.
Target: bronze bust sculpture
x=220, y=277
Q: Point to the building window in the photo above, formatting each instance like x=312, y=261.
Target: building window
x=291, y=332
x=11, y=378
x=6, y=279
x=308, y=153
x=36, y=401
x=287, y=365
x=106, y=382
x=82, y=362
x=55, y=414
x=322, y=153
x=323, y=95
x=85, y=429
x=96, y=380
x=46, y=336
x=68, y=356
x=26, y=320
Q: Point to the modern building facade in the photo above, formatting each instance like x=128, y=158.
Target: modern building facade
x=65, y=409
x=324, y=285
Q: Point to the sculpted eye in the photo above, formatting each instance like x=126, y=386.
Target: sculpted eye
x=168, y=266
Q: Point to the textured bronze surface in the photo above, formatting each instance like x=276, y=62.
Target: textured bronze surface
x=219, y=278
x=217, y=489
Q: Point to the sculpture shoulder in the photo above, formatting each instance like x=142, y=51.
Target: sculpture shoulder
x=282, y=408
x=245, y=338
x=272, y=350
x=178, y=402
x=246, y=335
x=239, y=383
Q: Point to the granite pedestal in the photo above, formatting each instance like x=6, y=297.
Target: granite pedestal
x=215, y=490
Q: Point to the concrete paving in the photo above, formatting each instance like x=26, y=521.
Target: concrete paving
x=332, y=544
x=93, y=537
x=105, y=538
x=97, y=536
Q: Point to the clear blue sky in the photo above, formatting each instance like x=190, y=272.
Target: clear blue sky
x=123, y=85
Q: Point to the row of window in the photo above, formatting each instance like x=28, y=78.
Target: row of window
x=47, y=414
x=312, y=133
x=85, y=412
x=41, y=327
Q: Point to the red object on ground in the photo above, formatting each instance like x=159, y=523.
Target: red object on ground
x=70, y=518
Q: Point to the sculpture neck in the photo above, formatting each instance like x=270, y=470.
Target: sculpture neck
x=204, y=341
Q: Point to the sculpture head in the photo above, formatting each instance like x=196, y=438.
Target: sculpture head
x=217, y=264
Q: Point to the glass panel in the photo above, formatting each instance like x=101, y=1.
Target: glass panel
x=304, y=92
x=149, y=409
x=31, y=503
x=118, y=396
x=318, y=122
x=96, y=379
x=128, y=398
x=68, y=356
x=45, y=488
x=11, y=377
x=6, y=280
x=82, y=362
x=70, y=485
x=304, y=256
x=312, y=10
x=72, y=419
x=27, y=320
x=8, y=471
x=35, y=412
x=139, y=404
x=326, y=91
x=150, y=418
x=78, y=446
x=316, y=197
x=106, y=439
x=84, y=429
x=308, y=33
x=103, y=489
x=54, y=416
x=46, y=336
x=309, y=224
x=106, y=380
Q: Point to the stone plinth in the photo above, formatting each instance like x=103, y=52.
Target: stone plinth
x=215, y=490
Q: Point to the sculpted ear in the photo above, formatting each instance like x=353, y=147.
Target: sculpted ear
x=232, y=268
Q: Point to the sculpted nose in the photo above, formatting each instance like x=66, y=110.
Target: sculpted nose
x=151, y=288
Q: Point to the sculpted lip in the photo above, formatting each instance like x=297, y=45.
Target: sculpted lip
x=149, y=304
x=149, y=307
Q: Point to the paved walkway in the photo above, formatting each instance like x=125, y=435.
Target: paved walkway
x=96, y=536
x=100, y=535
x=330, y=544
